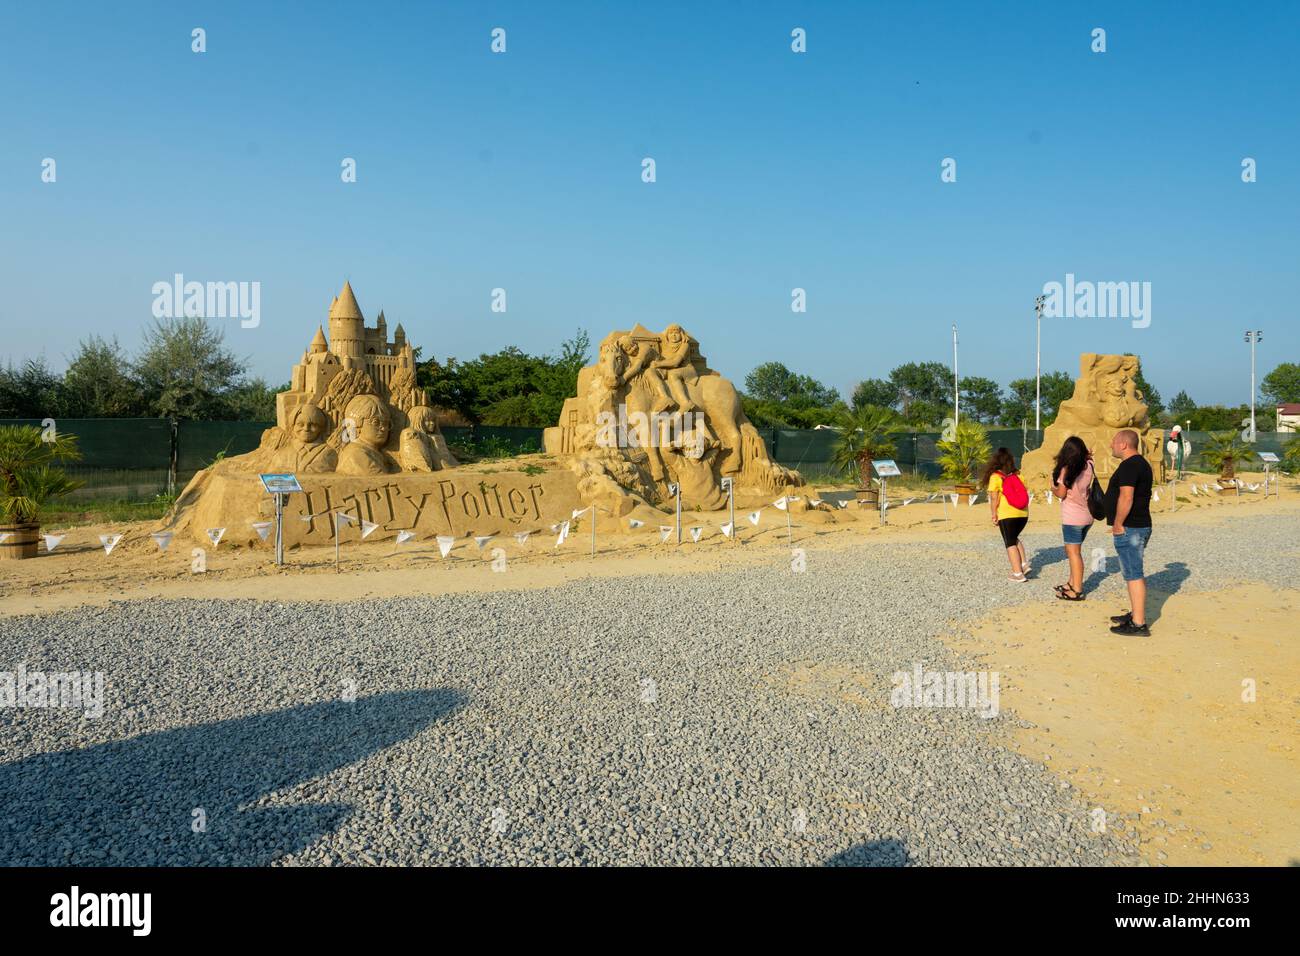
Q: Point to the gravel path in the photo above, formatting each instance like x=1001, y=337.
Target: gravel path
x=727, y=718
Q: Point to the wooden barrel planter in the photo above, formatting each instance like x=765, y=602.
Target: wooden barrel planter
x=21, y=541
x=868, y=496
x=964, y=492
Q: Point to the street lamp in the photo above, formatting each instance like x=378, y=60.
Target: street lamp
x=1253, y=338
x=956, y=391
x=1039, y=302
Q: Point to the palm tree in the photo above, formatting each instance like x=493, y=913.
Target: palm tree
x=1223, y=450
x=962, y=453
x=26, y=479
x=866, y=433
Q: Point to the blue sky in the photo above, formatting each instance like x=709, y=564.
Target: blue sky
x=775, y=171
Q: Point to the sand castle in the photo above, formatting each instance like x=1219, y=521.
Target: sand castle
x=651, y=413
x=360, y=435
x=1106, y=400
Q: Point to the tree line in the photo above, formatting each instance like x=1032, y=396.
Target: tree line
x=921, y=396
x=184, y=370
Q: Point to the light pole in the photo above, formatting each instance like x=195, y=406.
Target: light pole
x=1039, y=301
x=1253, y=338
x=956, y=390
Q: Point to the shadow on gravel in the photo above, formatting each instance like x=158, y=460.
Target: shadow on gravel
x=873, y=853
x=131, y=802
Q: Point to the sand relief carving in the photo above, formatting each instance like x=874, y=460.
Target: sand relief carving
x=1106, y=400
x=651, y=413
x=421, y=445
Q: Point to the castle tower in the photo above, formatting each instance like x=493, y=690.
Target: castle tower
x=347, y=327
x=399, y=338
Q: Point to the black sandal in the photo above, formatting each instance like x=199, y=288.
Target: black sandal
x=1067, y=593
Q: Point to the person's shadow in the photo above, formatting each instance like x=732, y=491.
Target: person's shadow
x=132, y=802
x=872, y=853
x=1163, y=585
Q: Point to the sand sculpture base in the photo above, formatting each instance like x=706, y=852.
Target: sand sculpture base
x=471, y=500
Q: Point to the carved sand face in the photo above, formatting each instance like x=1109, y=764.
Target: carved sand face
x=309, y=424
x=373, y=431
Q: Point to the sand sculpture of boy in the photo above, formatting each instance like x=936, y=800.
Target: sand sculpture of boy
x=366, y=428
x=307, y=452
x=421, y=446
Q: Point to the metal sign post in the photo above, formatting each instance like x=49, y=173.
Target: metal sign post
x=885, y=468
x=1269, y=459
x=279, y=487
x=593, y=531
x=729, y=486
x=675, y=490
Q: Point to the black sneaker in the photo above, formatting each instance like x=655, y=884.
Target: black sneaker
x=1129, y=629
x=1122, y=618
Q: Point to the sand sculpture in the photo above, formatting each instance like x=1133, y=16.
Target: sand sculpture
x=1106, y=400
x=651, y=412
x=362, y=439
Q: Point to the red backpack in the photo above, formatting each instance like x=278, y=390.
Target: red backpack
x=1014, y=490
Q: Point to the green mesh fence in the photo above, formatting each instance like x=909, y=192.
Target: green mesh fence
x=133, y=458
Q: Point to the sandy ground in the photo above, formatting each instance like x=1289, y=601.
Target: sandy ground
x=1161, y=740
x=1161, y=733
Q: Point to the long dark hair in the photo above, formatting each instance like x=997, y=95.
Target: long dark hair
x=1002, y=461
x=1073, y=457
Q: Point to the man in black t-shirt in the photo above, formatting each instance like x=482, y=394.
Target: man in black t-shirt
x=1128, y=509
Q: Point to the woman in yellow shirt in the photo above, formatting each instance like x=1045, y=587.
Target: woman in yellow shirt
x=1009, y=519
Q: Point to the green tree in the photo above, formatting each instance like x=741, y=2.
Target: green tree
x=1282, y=384
x=1155, y=406
x=773, y=382
x=929, y=382
x=1181, y=408
x=1057, y=387
x=185, y=370
x=30, y=391
x=875, y=391
x=252, y=401
x=99, y=384
x=981, y=399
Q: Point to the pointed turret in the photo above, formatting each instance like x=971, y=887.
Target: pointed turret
x=347, y=327
x=318, y=343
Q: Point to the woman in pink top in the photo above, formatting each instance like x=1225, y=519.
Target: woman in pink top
x=1071, y=480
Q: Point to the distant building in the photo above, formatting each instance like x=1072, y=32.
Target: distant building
x=1288, y=417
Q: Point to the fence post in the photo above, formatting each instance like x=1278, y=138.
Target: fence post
x=173, y=457
x=772, y=451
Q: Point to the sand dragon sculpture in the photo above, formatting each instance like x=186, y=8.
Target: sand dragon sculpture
x=1106, y=399
x=650, y=413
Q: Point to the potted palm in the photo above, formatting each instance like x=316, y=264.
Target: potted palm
x=866, y=433
x=1223, y=450
x=961, y=453
x=27, y=481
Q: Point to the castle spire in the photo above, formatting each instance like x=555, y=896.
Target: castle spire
x=345, y=306
x=318, y=343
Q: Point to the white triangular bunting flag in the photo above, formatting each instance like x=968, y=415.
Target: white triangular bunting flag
x=781, y=503
x=728, y=528
x=555, y=527
x=563, y=535
x=263, y=528
x=664, y=532
x=445, y=541
x=162, y=538
x=971, y=500
x=214, y=535
x=1155, y=495
x=4, y=536
x=342, y=517
x=404, y=536
x=109, y=541
x=367, y=528
x=814, y=502
x=481, y=540
x=907, y=501
x=521, y=537
x=695, y=534
x=754, y=516
x=842, y=504
x=52, y=541
x=1194, y=491
x=954, y=498
x=633, y=523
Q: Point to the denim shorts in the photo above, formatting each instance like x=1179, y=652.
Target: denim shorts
x=1129, y=546
x=1074, y=533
